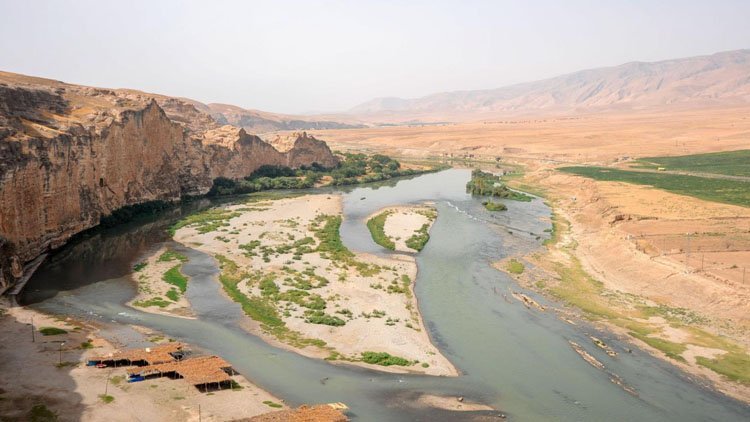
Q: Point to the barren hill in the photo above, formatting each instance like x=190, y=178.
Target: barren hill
x=261, y=121
x=718, y=79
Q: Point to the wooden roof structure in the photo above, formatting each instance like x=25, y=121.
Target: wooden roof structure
x=151, y=355
x=202, y=370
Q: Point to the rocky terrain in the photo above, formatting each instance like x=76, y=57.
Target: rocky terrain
x=718, y=79
x=70, y=155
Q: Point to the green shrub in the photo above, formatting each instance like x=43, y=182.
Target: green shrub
x=319, y=317
x=384, y=359
x=494, y=206
x=52, y=331
x=419, y=239
x=488, y=184
x=376, y=225
x=40, y=413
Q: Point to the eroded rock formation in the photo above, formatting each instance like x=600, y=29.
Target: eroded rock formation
x=70, y=155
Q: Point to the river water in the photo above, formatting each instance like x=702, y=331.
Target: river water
x=512, y=358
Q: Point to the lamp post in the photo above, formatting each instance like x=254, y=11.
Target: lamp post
x=61, y=346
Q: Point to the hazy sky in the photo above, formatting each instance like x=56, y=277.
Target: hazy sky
x=300, y=56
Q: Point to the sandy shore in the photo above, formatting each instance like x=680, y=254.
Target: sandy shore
x=629, y=238
x=404, y=222
x=455, y=404
x=154, y=291
x=72, y=391
x=355, y=303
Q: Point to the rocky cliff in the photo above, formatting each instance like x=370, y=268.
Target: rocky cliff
x=70, y=155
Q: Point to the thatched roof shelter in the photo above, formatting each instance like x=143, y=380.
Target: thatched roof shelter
x=163, y=353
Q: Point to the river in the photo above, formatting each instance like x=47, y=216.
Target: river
x=515, y=359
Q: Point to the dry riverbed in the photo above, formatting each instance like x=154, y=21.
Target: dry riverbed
x=283, y=261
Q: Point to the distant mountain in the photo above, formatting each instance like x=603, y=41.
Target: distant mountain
x=261, y=121
x=718, y=79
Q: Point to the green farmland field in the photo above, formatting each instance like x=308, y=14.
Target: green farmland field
x=733, y=192
x=732, y=163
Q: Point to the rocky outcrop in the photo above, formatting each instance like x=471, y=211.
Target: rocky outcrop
x=70, y=155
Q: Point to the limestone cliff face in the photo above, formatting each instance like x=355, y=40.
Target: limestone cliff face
x=70, y=155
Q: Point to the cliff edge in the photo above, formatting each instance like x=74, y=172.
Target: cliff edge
x=70, y=155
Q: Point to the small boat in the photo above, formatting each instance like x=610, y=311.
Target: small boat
x=339, y=406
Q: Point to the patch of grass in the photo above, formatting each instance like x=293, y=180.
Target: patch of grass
x=733, y=365
x=259, y=309
x=515, y=267
x=171, y=255
x=174, y=277
x=269, y=403
x=554, y=231
x=155, y=301
x=173, y=295
x=139, y=266
x=671, y=349
x=376, y=226
x=579, y=289
x=717, y=190
x=117, y=379
x=326, y=229
x=205, y=221
x=52, y=331
x=40, y=413
x=87, y=345
x=494, y=206
x=106, y=398
x=731, y=163
x=419, y=239
x=384, y=359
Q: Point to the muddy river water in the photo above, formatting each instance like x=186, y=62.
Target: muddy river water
x=512, y=358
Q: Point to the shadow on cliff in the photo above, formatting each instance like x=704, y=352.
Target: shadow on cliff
x=100, y=254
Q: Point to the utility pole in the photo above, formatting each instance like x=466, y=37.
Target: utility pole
x=106, y=383
x=33, y=334
x=703, y=258
x=61, y=346
x=687, y=253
